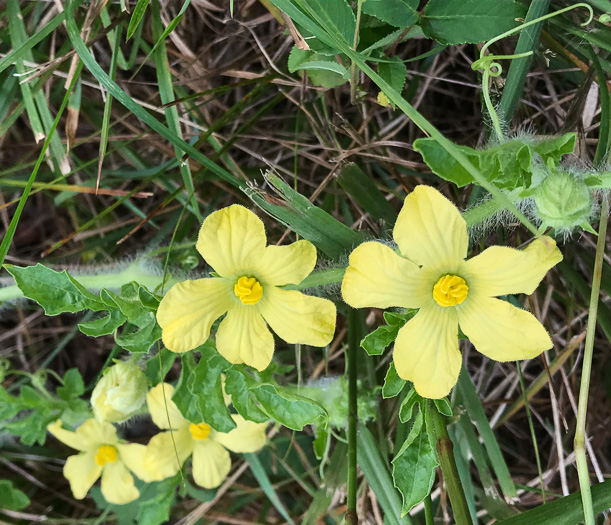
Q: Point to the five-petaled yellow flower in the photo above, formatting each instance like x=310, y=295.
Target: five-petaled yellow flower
x=101, y=454
x=431, y=274
x=233, y=242
x=211, y=461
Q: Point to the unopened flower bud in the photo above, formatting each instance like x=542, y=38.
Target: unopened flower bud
x=119, y=393
x=563, y=201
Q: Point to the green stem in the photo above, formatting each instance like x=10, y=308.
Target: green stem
x=428, y=510
x=354, y=71
x=496, y=123
x=354, y=332
x=134, y=272
x=445, y=454
x=586, y=371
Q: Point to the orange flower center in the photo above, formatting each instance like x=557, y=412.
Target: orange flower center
x=199, y=432
x=248, y=290
x=450, y=290
x=106, y=454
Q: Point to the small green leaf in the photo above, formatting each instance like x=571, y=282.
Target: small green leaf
x=414, y=466
x=376, y=342
x=394, y=73
x=12, y=498
x=242, y=399
x=158, y=366
x=155, y=510
x=407, y=405
x=103, y=326
x=443, y=406
x=291, y=410
x=322, y=440
x=393, y=384
x=469, y=21
x=56, y=292
x=397, y=13
x=136, y=18
x=73, y=386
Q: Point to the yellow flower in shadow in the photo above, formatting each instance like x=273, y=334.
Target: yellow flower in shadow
x=167, y=451
x=248, y=288
x=101, y=454
x=431, y=274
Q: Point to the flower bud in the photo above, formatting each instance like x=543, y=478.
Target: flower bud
x=563, y=201
x=119, y=393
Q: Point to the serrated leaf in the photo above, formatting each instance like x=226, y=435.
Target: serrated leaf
x=199, y=392
x=12, y=498
x=73, y=385
x=393, y=384
x=443, y=406
x=103, y=326
x=376, y=342
x=136, y=18
x=56, y=292
x=456, y=22
x=407, y=405
x=414, y=466
x=156, y=510
x=291, y=410
x=242, y=399
x=397, y=13
x=336, y=14
x=556, y=147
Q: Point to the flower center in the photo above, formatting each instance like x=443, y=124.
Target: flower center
x=248, y=290
x=200, y=432
x=106, y=454
x=450, y=290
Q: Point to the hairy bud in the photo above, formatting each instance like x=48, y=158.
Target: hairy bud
x=563, y=201
x=119, y=393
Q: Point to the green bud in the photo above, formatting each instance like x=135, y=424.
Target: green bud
x=119, y=393
x=563, y=201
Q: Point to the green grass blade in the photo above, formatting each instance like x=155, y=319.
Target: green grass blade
x=528, y=41
x=10, y=232
x=136, y=18
x=478, y=416
x=266, y=486
x=604, y=134
x=564, y=511
x=375, y=469
x=131, y=105
x=166, y=93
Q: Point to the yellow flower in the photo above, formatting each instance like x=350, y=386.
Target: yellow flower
x=167, y=451
x=101, y=454
x=432, y=275
x=233, y=242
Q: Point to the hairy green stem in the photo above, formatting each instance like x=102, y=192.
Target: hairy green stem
x=586, y=371
x=445, y=455
x=354, y=332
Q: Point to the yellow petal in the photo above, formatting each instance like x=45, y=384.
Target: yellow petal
x=298, y=318
x=188, y=310
x=378, y=277
x=232, y=241
x=211, y=464
x=118, y=484
x=167, y=451
x=426, y=351
x=162, y=408
x=82, y=472
x=243, y=337
x=431, y=231
x=248, y=436
x=501, y=331
x=87, y=437
x=133, y=456
x=287, y=264
x=500, y=270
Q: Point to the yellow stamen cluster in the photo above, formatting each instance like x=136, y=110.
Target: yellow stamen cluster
x=248, y=290
x=450, y=290
x=106, y=454
x=200, y=432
